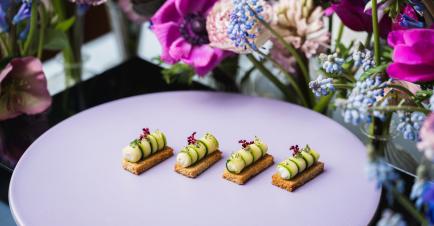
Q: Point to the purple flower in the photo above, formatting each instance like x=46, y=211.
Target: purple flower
x=407, y=19
x=426, y=134
x=180, y=26
x=4, y=26
x=417, y=190
x=411, y=60
x=24, y=12
x=88, y=2
x=353, y=15
x=428, y=199
x=23, y=88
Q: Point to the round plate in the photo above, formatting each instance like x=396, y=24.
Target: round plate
x=72, y=174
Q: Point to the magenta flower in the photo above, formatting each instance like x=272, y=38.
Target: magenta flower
x=23, y=88
x=180, y=26
x=353, y=15
x=411, y=60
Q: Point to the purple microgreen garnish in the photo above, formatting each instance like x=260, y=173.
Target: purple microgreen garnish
x=191, y=139
x=145, y=133
x=245, y=143
x=295, y=150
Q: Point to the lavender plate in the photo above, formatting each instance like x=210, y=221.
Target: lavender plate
x=72, y=174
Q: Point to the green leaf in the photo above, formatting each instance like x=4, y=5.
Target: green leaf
x=56, y=40
x=422, y=95
x=375, y=70
x=66, y=24
x=178, y=73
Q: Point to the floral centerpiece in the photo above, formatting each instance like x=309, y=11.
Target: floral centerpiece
x=371, y=82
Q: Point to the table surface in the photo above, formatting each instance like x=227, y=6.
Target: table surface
x=72, y=175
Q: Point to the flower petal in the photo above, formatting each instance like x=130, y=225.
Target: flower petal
x=5, y=72
x=411, y=73
x=416, y=54
x=29, y=86
x=166, y=33
x=167, y=13
x=414, y=36
x=396, y=38
x=33, y=94
x=205, y=58
x=179, y=49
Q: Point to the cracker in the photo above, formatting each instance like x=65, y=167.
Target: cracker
x=298, y=180
x=152, y=160
x=203, y=164
x=250, y=171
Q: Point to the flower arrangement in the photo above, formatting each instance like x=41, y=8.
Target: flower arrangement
x=387, y=77
x=27, y=28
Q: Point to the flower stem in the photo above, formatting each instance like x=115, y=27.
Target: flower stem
x=409, y=207
x=270, y=76
x=343, y=86
x=368, y=40
x=289, y=77
x=376, y=33
x=400, y=108
x=340, y=33
x=43, y=23
x=33, y=27
x=287, y=45
x=322, y=104
x=4, y=47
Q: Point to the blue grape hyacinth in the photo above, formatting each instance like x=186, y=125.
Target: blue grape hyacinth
x=242, y=23
x=322, y=86
x=384, y=175
x=410, y=124
x=331, y=63
x=364, y=95
x=364, y=59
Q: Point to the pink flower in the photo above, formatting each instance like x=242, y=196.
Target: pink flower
x=301, y=25
x=180, y=26
x=218, y=22
x=23, y=88
x=412, y=59
x=426, y=134
x=353, y=15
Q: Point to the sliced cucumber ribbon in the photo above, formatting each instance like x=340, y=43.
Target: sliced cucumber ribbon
x=193, y=153
x=246, y=156
x=142, y=148
x=295, y=165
